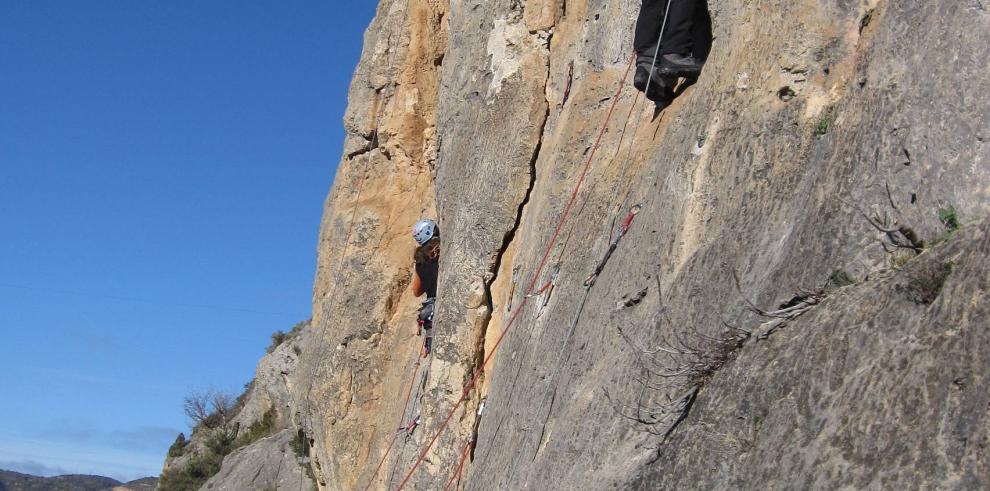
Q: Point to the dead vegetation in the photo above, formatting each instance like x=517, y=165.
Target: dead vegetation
x=896, y=235
x=924, y=284
x=674, y=370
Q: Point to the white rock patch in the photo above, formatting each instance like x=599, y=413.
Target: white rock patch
x=504, y=45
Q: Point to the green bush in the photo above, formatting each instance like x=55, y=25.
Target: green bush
x=822, y=127
x=866, y=19
x=199, y=469
x=258, y=430
x=300, y=444
x=278, y=337
x=949, y=219
x=178, y=447
x=300, y=447
x=221, y=440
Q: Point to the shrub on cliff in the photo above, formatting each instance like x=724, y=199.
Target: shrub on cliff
x=219, y=441
x=178, y=446
x=193, y=474
x=278, y=337
x=209, y=409
x=258, y=430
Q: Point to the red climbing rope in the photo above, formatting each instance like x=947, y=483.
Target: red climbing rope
x=460, y=467
x=536, y=275
x=402, y=417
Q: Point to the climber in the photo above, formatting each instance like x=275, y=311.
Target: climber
x=427, y=269
x=678, y=56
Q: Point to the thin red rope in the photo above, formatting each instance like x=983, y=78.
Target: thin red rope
x=539, y=269
x=460, y=467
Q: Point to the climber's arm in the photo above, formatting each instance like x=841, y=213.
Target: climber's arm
x=417, y=285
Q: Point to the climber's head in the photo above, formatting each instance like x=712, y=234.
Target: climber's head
x=424, y=230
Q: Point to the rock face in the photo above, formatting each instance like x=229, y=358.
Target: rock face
x=269, y=463
x=778, y=315
x=880, y=387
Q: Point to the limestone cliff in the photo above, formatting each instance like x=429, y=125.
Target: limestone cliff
x=793, y=306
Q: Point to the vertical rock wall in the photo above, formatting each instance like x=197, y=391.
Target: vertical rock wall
x=809, y=118
x=362, y=315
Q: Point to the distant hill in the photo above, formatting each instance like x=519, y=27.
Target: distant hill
x=15, y=481
x=143, y=484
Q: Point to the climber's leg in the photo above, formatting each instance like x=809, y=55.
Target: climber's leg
x=701, y=32
x=648, y=27
x=428, y=341
x=676, y=57
x=645, y=42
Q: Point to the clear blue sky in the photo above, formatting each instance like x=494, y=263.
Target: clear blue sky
x=163, y=166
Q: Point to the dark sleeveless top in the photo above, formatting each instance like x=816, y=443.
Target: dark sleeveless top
x=428, y=272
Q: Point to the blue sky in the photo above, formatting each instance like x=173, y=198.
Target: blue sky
x=162, y=170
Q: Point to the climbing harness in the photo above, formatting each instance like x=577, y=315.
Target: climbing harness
x=532, y=285
x=424, y=319
x=410, y=427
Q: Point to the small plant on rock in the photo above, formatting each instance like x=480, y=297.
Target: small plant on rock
x=840, y=278
x=824, y=124
x=864, y=22
x=950, y=220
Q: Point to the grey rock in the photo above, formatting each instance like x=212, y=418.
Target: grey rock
x=268, y=464
x=878, y=388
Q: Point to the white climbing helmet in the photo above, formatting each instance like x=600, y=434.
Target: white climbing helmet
x=424, y=230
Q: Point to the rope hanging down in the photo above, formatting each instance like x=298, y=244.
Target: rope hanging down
x=402, y=418
x=533, y=282
x=460, y=467
x=656, y=53
x=413, y=416
x=588, y=283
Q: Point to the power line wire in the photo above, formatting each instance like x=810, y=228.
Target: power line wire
x=123, y=298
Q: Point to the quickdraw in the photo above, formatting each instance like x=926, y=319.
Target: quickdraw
x=623, y=228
